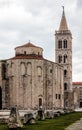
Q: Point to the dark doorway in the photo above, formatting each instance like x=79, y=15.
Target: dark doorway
x=80, y=104
x=40, y=102
x=0, y=98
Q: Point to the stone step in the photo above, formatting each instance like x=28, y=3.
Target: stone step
x=75, y=126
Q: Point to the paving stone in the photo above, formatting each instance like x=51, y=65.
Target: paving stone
x=75, y=126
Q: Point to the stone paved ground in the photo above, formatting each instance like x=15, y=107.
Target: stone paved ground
x=75, y=126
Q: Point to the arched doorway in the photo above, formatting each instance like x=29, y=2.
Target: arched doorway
x=0, y=98
x=81, y=104
x=40, y=102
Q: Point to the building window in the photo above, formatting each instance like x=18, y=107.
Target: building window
x=24, y=52
x=39, y=71
x=50, y=70
x=65, y=58
x=65, y=86
x=65, y=73
x=59, y=96
x=60, y=44
x=29, y=69
x=56, y=96
x=60, y=59
x=40, y=102
x=65, y=43
x=22, y=70
x=80, y=105
x=38, y=53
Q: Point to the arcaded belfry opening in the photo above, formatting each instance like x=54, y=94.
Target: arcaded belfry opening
x=0, y=98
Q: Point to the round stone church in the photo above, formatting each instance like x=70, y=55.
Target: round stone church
x=30, y=81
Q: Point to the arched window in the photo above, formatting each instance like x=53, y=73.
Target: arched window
x=60, y=44
x=24, y=52
x=22, y=68
x=65, y=86
x=38, y=53
x=39, y=71
x=65, y=43
x=29, y=69
x=65, y=73
x=65, y=58
x=60, y=58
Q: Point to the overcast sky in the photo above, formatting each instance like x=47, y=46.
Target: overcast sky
x=37, y=20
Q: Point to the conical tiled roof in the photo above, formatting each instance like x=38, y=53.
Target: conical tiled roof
x=28, y=45
x=63, y=23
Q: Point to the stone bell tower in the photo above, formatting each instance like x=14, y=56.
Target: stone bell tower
x=63, y=55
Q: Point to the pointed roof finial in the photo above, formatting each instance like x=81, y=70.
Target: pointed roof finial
x=63, y=23
x=63, y=9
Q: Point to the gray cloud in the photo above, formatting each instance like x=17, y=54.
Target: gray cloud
x=79, y=3
x=37, y=20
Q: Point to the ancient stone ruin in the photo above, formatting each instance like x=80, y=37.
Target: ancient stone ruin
x=14, y=120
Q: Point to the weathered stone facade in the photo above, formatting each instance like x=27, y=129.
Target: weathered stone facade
x=63, y=53
x=29, y=81
x=32, y=81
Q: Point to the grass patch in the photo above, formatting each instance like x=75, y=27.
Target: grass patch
x=59, y=123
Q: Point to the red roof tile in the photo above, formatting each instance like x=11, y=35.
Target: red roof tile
x=28, y=45
x=27, y=57
x=76, y=83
